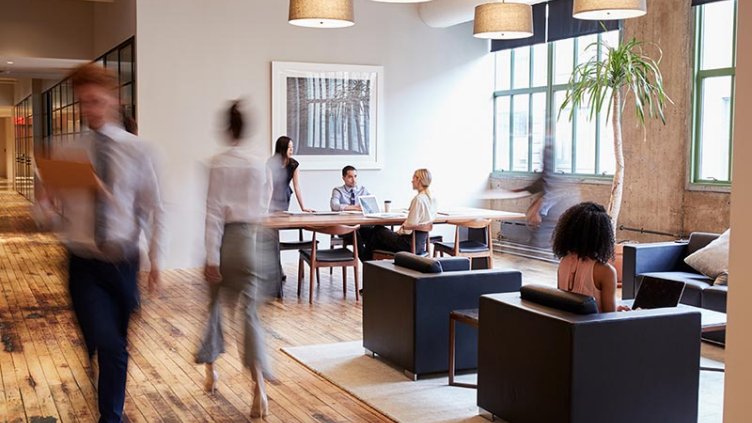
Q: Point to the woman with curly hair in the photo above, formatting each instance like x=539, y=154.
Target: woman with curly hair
x=584, y=241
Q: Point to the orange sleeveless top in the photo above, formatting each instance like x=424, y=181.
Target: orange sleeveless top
x=576, y=275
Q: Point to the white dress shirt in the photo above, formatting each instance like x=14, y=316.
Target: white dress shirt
x=344, y=196
x=239, y=192
x=422, y=211
x=135, y=203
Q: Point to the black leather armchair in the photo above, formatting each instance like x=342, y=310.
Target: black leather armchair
x=540, y=364
x=406, y=306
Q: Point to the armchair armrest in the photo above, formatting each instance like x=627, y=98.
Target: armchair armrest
x=645, y=258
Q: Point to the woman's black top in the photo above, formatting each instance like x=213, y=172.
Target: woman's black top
x=281, y=177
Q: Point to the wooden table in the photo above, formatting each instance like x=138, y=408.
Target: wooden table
x=297, y=221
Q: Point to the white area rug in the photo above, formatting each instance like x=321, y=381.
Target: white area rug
x=387, y=390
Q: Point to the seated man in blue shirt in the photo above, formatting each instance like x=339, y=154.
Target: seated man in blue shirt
x=345, y=197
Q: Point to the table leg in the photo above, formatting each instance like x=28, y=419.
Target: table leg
x=451, y=351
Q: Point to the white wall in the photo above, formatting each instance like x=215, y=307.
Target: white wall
x=738, y=341
x=195, y=55
x=113, y=23
x=6, y=94
x=46, y=28
x=21, y=90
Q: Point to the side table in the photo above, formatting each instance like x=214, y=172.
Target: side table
x=468, y=317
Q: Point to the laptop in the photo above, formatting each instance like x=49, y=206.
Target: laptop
x=369, y=205
x=658, y=293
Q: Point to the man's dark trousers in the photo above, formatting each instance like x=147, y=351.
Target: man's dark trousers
x=104, y=294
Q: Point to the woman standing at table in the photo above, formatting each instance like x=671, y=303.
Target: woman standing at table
x=422, y=212
x=284, y=170
x=237, y=255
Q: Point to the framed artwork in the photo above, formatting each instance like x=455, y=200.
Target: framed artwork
x=332, y=112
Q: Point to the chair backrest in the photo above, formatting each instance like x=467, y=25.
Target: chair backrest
x=334, y=230
x=429, y=265
x=418, y=263
x=471, y=224
x=426, y=228
x=699, y=240
x=558, y=299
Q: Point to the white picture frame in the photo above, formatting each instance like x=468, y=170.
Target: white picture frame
x=333, y=113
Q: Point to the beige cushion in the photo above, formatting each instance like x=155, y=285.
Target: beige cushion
x=712, y=260
x=722, y=279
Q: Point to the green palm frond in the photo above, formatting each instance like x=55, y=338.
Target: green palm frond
x=626, y=68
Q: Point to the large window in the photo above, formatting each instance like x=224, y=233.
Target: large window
x=62, y=115
x=715, y=62
x=23, y=120
x=531, y=83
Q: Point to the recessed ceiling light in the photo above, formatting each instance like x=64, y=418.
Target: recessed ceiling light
x=10, y=62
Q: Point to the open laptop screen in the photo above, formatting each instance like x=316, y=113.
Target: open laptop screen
x=369, y=204
x=658, y=293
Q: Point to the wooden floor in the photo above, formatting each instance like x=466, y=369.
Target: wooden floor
x=44, y=368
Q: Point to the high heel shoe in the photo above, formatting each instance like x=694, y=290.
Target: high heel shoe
x=210, y=382
x=260, y=407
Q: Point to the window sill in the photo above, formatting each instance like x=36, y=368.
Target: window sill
x=723, y=189
x=567, y=178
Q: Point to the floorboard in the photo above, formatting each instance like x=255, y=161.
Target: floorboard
x=45, y=371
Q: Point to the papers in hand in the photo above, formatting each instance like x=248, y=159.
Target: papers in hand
x=60, y=175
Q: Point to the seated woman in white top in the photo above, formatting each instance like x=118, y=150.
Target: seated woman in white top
x=584, y=241
x=422, y=212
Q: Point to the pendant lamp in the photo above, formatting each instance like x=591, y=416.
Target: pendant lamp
x=609, y=9
x=321, y=13
x=503, y=21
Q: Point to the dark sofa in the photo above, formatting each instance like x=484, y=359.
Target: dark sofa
x=406, y=306
x=665, y=260
x=540, y=364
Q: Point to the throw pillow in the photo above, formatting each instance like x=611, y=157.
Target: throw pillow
x=712, y=260
x=722, y=279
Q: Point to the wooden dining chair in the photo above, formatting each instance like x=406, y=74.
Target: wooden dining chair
x=301, y=243
x=335, y=257
x=334, y=242
x=389, y=255
x=468, y=248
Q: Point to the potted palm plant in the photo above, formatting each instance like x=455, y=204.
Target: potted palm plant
x=625, y=75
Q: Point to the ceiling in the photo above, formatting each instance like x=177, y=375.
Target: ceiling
x=33, y=67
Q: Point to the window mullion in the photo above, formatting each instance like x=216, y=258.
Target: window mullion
x=550, y=140
x=511, y=133
x=696, y=144
x=599, y=56
x=731, y=129
x=511, y=111
x=531, y=54
x=575, y=113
